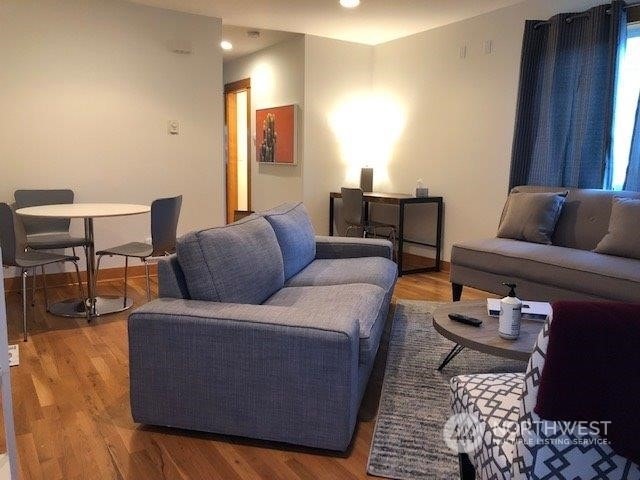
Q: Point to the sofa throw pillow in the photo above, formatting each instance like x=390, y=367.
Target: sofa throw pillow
x=295, y=235
x=624, y=224
x=531, y=217
x=239, y=263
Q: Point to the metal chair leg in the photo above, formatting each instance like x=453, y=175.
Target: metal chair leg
x=95, y=277
x=146, y=272
x=33, y=287
x=126, y=270
x=392, y=237
x=80, y=287
x=24, y=304
x=44, y=289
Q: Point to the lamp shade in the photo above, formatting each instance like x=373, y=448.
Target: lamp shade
x=366, y=179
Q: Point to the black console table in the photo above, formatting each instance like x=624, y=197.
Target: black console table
x=401, y=200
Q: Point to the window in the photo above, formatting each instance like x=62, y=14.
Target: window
x=627, y=93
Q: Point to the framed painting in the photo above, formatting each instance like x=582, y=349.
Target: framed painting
x=276, y=135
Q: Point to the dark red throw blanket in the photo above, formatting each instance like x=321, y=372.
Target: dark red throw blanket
x=592, y=370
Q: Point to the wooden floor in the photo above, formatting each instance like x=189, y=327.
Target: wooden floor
x=71, y=401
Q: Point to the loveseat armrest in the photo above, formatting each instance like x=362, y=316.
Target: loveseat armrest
x=352, y=247
x=259, y=371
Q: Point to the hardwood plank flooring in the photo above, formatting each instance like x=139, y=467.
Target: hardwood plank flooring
x=73, y=421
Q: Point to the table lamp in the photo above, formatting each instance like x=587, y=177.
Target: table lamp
x=366, y=179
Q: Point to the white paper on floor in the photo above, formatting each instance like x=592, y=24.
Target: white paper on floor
x=14, y=355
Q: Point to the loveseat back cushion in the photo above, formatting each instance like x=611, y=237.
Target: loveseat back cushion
x=585, y=216
x=295, y=235
x=171, y=281
x=238, y=263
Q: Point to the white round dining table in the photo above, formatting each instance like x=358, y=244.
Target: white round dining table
x=93, y=305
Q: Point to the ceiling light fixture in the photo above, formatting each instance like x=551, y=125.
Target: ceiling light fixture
x=349, y=3
x=226, y=45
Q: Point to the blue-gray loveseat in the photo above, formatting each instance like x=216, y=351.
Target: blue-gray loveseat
x=262, y=330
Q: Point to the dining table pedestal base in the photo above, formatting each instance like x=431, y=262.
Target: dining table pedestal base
x=103, y=305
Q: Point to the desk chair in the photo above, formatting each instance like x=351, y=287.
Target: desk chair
x=13, y=240
x=165, y=213
x=352, y=211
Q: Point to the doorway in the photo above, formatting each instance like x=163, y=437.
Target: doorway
x=237, y=100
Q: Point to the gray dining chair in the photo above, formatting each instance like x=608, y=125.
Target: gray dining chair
x=47, y=233
x=165, y=213
x=352, y=212
x=13, y=241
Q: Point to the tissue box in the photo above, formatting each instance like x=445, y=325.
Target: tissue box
x=422, y=192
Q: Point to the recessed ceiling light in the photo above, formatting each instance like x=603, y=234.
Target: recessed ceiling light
x=226, y=45
x=349, y=3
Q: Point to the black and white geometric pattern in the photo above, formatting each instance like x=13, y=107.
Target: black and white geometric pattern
x=493, y=399
x=528, y=451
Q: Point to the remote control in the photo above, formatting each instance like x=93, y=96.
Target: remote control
x=458, y=317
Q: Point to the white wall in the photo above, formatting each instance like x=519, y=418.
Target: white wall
x=459, y=113
x=277, y=78
x=87, y=88
x=336, y=74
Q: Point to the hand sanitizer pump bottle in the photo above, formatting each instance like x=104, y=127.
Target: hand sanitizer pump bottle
x=510, y=314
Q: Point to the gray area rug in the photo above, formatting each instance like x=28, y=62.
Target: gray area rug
x=414, y=403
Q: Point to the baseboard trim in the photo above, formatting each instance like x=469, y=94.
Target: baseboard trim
x=68, y=278
x=117, y=273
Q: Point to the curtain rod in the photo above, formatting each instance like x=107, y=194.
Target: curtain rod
x=628, y=5
x=570, y=19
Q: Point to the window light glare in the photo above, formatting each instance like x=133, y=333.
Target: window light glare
x=349, y=3
x=226, y=45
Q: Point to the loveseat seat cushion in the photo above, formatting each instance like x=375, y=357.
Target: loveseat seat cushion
x=603, y=276
x=362, y=302
x=238, y=263
x=372, y=270
x=295, y=234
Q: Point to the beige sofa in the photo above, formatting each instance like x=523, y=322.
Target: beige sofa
x=567, y=269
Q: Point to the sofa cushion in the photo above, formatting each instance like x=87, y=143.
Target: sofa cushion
x=362, y=302
x=602, y=276
x=239, y=263
x=531, y=216
x=623, y=239
x=372, y=270
x=295, y=235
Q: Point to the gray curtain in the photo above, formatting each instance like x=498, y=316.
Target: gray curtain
x=566, y=97
x=632, y=182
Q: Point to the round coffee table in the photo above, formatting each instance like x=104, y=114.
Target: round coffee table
x=484, y=338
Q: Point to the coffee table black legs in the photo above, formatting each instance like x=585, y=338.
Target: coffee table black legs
x=450, y=356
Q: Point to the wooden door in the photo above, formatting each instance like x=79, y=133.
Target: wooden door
x=233, y=143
